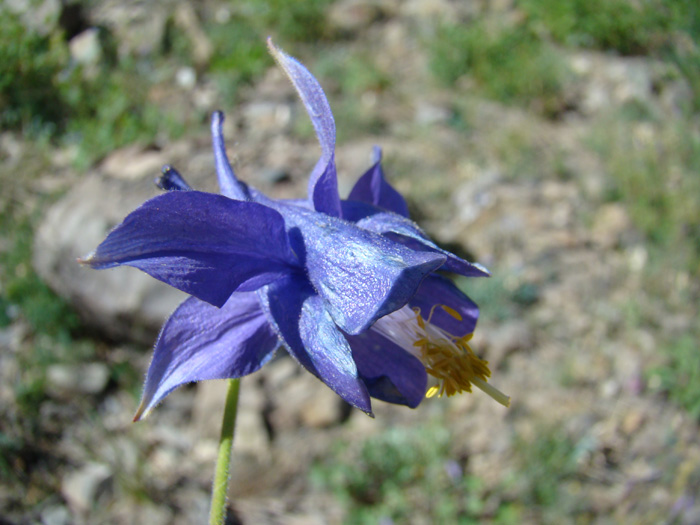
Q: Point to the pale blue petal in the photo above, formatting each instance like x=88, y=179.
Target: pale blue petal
x=201, y=342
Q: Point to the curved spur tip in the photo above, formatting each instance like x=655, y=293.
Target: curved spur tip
x=140, y=413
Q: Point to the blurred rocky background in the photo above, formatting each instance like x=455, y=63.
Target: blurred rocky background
x=557, y=143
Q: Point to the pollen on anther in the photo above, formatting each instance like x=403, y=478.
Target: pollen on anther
x=451, y=311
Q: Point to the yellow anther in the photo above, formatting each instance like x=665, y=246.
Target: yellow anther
x=454, y=313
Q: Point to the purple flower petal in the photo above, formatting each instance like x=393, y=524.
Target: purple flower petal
x=390, y=373
x=373, y=188
x=203, y=244
x=307, y=330
x=436, y=289
x=361, y=276
x=355, y=211
x=407, y=232
x=229, y=185
x=452, y=264
x=323, y=183
x=200, y=342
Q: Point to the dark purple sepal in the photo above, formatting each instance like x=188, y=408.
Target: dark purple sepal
x=373, y=188
x=200, y=341
x=390, y=373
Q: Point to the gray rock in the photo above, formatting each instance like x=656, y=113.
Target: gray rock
x=609, y=225
x=428, y=113
x=267, y=116
x=607, y=81
x=82, y=488
x=510, y=337
x=65, y=380
x=56, y=515
x=138, y=29
x=85, y=47
x=40, y=16
x=122, y=301
x=350, y=16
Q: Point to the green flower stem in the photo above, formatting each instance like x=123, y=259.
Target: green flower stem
x=217, y=514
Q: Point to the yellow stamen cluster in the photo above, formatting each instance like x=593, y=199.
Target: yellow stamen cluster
x=447, y=358
x=451, y=360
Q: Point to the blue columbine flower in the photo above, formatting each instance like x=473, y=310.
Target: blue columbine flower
x=348, y=287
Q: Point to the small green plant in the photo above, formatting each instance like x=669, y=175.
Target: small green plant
x=627, y=27
x=295, y=21
x=29, y=67
x=653, y=170
x=404, y=475
x=549, y=469
x=679, y=377
x=662, y=29
x=45, y=94
x=546, y=461
x=510, y=64
x=46, y=313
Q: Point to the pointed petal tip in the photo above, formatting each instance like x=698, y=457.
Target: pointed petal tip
x=280, y=57
x=144, y=409
x=217, y=122
x=485, y=272
x=274, y=50
x=87, y=260
x=141, y=413
x=376, y=154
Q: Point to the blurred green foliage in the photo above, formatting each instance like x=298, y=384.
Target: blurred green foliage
x=45, y=94
x=46, y=313
x=413, y=475
x=517, y=63
x=29, y=67
x=665, y=29
x=652, y=166
x=404, y=475
x=508, y=63
x=546, y=463
x=630, y=28
x=679, y=376
x=290, y=21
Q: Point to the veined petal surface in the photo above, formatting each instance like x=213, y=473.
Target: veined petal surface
x=408, y=233
x=361, y=275
x=203, y=244
x=200, y=341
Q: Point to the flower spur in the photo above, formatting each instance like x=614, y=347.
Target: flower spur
x=340, y=284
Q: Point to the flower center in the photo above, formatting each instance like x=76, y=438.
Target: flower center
x=446, y=357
